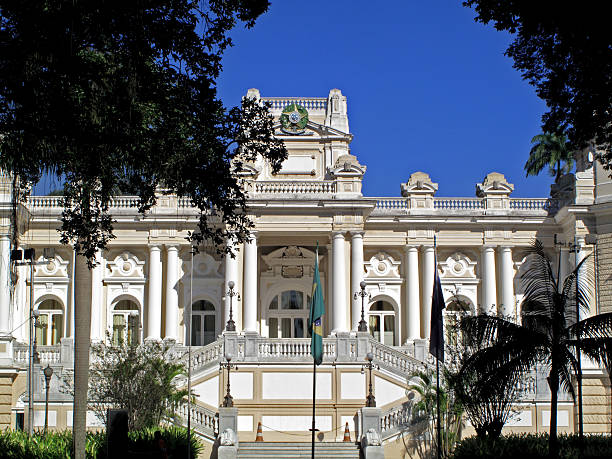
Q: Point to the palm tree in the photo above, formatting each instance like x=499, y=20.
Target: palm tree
x=548, y=333
x=552, y=150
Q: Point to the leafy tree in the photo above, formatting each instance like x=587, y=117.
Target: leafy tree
x=123, y=94
x=548, y=333
x=564, y=52
x=552, y=150
x=421, y=430
x=138, y=379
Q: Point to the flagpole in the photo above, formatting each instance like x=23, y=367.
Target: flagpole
x=438, y=405
x=437, y=369
x=314, y=392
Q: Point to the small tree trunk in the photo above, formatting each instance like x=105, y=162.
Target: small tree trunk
x=553, y=383
x=82, y=332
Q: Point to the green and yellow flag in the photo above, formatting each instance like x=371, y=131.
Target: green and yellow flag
x=317, y=309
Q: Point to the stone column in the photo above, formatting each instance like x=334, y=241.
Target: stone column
x=154, y=312
x=5, y=291
x=97, y=334
x=580, y=255
x=171, y=292
x=356, y=276
x=250, y=283
x=428, y=281
x=413, y=307
x=507, y=281
x=563, y=266
x=489, y=291
x=231, y=274
x=339, y=287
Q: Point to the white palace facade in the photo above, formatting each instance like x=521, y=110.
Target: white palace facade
x=146, y=280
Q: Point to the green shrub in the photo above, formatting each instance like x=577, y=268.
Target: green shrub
x=58, y=445
x=528, y=446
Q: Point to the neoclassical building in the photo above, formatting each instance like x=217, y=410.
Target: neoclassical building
x=148, y=281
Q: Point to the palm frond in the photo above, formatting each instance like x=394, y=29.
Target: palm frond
x=598, y=326
x=597, y=349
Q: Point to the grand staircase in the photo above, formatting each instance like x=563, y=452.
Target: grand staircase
x=332, y=450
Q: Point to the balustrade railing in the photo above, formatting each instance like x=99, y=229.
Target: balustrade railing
x=395, y=360
x=309, y=103
x=293, y=348
x=531, y=204
x=46, y=354
x=392, y=205
x=459, y=203
x=203, y=420
x=200, y=356
x=395, y=419
x=294, y=187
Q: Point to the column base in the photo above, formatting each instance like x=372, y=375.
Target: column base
x=6, y=350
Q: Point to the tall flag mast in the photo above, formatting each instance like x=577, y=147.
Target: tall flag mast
x=315, y=327
x=436, y=337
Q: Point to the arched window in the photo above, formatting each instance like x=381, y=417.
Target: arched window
x=50, y=323
x=288, y=315
x=381, y=318
x=126, y=323
x=203, y=320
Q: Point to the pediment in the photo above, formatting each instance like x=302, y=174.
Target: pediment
x=291, y=261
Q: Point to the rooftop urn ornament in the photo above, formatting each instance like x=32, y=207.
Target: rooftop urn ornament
x=363, y=326
x=231, y=325
x=294, y=119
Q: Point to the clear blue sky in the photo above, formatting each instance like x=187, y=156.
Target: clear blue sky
x=428, y=88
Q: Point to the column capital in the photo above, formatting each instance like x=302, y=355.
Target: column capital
x=411, y=247
x=172, y=247
x=154, y=246
x=338, y=234
x=357, y=233
x=486, y=247
x=252, y=236
x=504, y=248
x=427, y=248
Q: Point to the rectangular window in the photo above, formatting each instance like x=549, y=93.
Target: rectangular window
x=298, y=327
x=196, y=330
x=118, y=329
x=57, y=328
x=375, y=327
x=209, y=329
x=389, y=330
x=273, y=327
x=285, y=327
x=42, y=324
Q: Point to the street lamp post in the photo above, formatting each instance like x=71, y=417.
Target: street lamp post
x=363, y=326
x=370, y=400
x=231, y=325
x=228, y=400
x=48, y=372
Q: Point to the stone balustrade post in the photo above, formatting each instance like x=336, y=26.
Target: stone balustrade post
x=371, y=435
x=228, y=421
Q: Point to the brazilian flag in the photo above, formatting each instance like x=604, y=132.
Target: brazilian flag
x=317, y=309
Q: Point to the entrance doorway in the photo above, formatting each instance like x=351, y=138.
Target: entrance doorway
x=381, y=318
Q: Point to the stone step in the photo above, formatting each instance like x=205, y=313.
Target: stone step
x=290, y=450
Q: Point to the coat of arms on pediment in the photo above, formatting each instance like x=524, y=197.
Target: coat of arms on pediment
x=290, y=262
